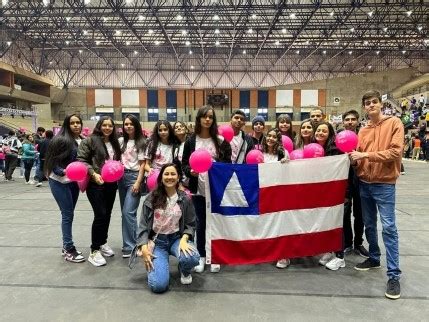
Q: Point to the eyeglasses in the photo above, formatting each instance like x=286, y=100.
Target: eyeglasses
x=373, y=101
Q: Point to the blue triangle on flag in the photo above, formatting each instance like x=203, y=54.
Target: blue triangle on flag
x=234, y=189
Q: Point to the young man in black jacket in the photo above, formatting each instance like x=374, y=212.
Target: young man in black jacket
x=241, y=144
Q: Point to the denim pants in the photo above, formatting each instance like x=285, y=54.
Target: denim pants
x=129, y=204
x=28, y=165
x=66, y=195
x=165, y=245
x=200, y=211
x=39, y=171
x=101, y=197
x=382, y=197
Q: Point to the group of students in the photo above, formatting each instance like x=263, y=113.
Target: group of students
x=169, y=218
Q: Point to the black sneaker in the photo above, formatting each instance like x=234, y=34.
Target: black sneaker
x=63, y=251
x=74, y=256
x=393, y=289
x=361, y=251
x=367, y=265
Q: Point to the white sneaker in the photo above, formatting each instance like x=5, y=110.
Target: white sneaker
x=106, y=250
x=325, y=258
x=96, y=259
x=201, y=265
x=185, y=280
x=335, y=263
x=283, y=263
x=214, y=268
x=31, y=182
x=39, y=184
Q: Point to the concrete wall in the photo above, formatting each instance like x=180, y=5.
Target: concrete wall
x=350, y=89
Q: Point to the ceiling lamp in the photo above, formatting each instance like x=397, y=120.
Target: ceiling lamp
x=216, y=17
x=292, y=16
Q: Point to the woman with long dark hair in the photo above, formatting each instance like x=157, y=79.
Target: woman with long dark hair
x=305, y=134
x=166, y=227
x=132, y=148
x=205, y=137
x=284, y=124
x=61, y=151
x=160, y=146
x=272, y=148
x=100, y=146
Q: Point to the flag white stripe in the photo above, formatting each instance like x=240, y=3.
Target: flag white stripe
x=271, y=225
x=304, y=171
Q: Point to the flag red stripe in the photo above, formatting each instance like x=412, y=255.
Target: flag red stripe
x=302, y=196
x=272, y=249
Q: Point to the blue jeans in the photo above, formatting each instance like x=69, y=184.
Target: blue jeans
x=66, y=195
x=382, y=197
x=129, y=204
x=159, y=278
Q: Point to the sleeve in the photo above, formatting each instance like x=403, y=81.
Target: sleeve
x=186, y=168
x=84, y=155
x=395, y=148
x=189, y=217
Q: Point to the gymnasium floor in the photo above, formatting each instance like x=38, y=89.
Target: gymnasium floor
x=37, y=285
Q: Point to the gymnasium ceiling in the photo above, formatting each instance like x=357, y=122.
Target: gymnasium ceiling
x=211, y=43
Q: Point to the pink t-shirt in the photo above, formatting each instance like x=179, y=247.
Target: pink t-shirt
x=166, y=221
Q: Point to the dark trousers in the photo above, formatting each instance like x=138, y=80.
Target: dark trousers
x=11, y=162
x=101, y=197
x=200, y=211
x=355, y=204
x=40, y=176
x=28, y=165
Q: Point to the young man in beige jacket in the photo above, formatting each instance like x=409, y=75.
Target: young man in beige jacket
x=378, y=163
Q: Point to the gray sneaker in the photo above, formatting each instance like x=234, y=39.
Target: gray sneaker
x=106, y=250
x=393, y=289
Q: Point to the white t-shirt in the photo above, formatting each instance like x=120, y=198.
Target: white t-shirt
x=130, y=158
x=269, y=158
x=166, y=221
x=236, y=143
x=163, y=155
x=206, y=144
x=110, y=150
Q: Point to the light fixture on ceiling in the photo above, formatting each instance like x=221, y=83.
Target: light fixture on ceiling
x=87, y=2
x=370, y=14
x=217, y=31
x=307, y=42
x=369, y=66
x=68, y=19
x=105, y=19
x=420, y=28
x=365, y=42
x=127, y=43
x=385, y=29
x=141, y=17
x=216, y=17
x=157, y=42
x=184, y=32
x=192, y=67
x=297, y=52
x=244, y=52
x=331, y=13
x=51, y=62
x=136, y=52
x=190, y=52
x=350, y=52
x=404, y=51
x=187, y=43
x=67, y=42
x=150, y=31
x=117, y=32
x=4, y=2
x=292, y=16
x=254, y=16
x=337, y=42
x=377, y=52
x=179, y=17
x=85, y=32
x=409, y=13
x=217, y=43
x=97, y=42
x=9, y=43
x=122, y=64
x=277, y=43
x=46, y=2
x=250, y=30
x=129, y=2
x=284, y=30
x=352, y=29
x=324, y=52
x=80, y=51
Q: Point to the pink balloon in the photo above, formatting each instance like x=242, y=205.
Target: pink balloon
x=313, y=150
x=83, y=184
x=227, y=132
x=76, y=171
x=152, y=179
x=254, y=157
x=297, y=154
x=200, y=160
x=346, y=141
x=287, y=143
x=112, y=171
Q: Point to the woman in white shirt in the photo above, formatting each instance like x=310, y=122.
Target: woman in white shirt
x=132, y=148
x=62, y=150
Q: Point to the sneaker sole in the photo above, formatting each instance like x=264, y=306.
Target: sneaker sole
x=392, y=297
x=335, y=268
x=366, y=269
x=95, y=264
x=74, y=260
x=126, y=255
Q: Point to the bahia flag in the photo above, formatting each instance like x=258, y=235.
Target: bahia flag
x=266, y=212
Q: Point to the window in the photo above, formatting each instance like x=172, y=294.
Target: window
x=172, y=114
x=246, y=111
x=263, y=111
x=153, y=114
